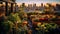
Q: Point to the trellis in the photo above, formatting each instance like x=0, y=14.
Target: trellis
x=9, y=5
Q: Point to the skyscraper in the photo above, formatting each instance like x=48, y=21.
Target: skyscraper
x=29, y=7
x=23, y=4
x=34, y=7
x=41, y=7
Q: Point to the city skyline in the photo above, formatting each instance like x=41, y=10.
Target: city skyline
x=38, y=2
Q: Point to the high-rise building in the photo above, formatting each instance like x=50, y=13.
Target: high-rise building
x=41, y=4
x=34, y=7
x=41, y=7
x=57, y=8
x=29, y=6
x=23, y=4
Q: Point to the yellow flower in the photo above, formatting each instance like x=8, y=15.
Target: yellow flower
x=43, y=25
x=37, y=28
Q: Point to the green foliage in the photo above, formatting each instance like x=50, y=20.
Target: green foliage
x=14, y=18
x=22, y=15
x=6, y=26
x=45, y=27
x=31, y=13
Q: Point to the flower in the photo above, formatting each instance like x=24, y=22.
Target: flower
x=37, y=28
x=43, y=25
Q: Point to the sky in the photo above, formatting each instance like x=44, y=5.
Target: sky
x=36, y=1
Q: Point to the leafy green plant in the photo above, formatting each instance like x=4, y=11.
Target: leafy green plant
x=46, y=27
x=6, y=26
x=14, y=18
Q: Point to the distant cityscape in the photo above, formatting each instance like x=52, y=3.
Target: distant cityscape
x=12, y=6
x=34, y=7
